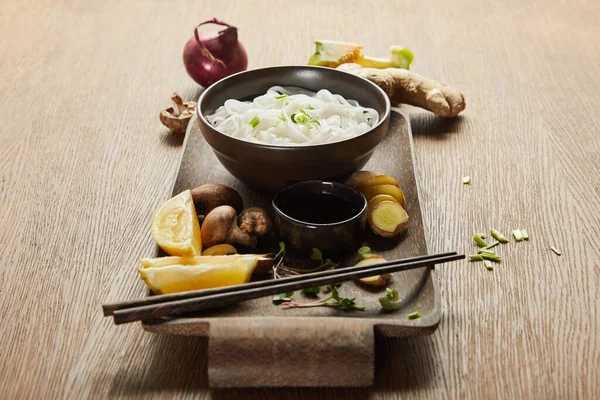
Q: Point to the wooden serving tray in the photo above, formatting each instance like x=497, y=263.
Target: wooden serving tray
x=257, y=343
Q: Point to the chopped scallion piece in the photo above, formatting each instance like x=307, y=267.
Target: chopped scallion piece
x=556, y=251
x=518, y=235
x=283, y=96
x=498, y=236
x=525, y=234
x=466, y=180
x=414, y=315
x=492, y=257
x=485, y=251
x=479, y=240
x=475, y=257
x=492, y=245
x=390, y=302
x=254, y=121
x=488, y=264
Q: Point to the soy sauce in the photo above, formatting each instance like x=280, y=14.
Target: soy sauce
x=318, y=208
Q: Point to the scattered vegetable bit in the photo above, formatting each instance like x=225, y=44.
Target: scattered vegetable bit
x=525, y=234
x=390, y=301
x=479, y=240
x=485, y=251
x=364, y=252
x=317, y=255
x=281, y=251
x=556, y=251
x=283, y=297
x=518, y=235
x=414, y=315
x=492, y=245
x=492, y=257
x=475, y=257
x=498, y=236
x=254, y=122
x=488, y=264
x=466, y=180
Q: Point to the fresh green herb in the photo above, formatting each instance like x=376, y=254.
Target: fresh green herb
x=414, y=315
x=488, y=264
x=492, y=245
x=475, y=257
x=390, y=301
x=556, y=251
x=283, y=297
x=518, y=235
x=312, y=291
x=317, y=255
x=498, y=236
x=466, y=180
x=492, y=257
x=334, y=300
x=254, y=121
x=283, y=96
x=479, y=240
x=364, y=252
x=281, y=250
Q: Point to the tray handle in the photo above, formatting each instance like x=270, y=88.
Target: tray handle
x=265, y=352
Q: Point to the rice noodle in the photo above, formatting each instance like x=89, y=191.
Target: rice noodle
x=291, y=116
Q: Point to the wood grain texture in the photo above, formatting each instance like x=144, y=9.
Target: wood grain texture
x=84, y=163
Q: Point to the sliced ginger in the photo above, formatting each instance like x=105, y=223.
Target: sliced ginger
x=391, y=190
x=360, y=176
x=388, y=219
x=376, y=181
x=220, y=250
x=377, y=280
x=378, y=199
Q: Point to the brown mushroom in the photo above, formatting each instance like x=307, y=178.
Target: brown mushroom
x=177, y=118
x=255, y=221
x=211, y=195
x=220, y=226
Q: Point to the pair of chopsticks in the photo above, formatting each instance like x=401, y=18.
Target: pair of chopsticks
x=169, y=305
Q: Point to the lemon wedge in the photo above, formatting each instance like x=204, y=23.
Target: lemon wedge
x=180, y=274
x=175, y=226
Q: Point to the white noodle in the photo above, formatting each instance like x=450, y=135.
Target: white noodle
x=291, y=116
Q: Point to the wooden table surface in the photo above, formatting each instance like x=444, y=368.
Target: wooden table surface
x=84, y=162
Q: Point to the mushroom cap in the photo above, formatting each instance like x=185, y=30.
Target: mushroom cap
x=216, y=225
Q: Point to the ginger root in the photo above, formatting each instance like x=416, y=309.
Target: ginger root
x=403, y=86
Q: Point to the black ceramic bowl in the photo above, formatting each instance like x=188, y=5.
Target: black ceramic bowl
x=273, y=167
x=321, y=214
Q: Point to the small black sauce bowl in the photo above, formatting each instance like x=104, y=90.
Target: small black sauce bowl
x=334, y=237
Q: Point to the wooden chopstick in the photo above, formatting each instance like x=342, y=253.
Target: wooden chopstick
x=109, y=309
x=177, y=307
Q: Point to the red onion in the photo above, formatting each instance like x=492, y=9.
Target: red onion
x=212, y=55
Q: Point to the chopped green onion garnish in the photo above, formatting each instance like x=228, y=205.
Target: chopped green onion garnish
x=479, y=240
x=475, y=257
x=310, y=107
x=525, y=234
x=390, y=301
x=414, y=315
x=488, y=264
x=518, y=235
x=485, y=251
x=467, y=180
x=493, y=257
x=283, y=96
x=498, y=236
x=492, y=245
x=254, y=121
x=556, y=251
x=365, y=252
x=282, y=116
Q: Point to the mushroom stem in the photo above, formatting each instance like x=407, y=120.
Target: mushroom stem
x=179, y=106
